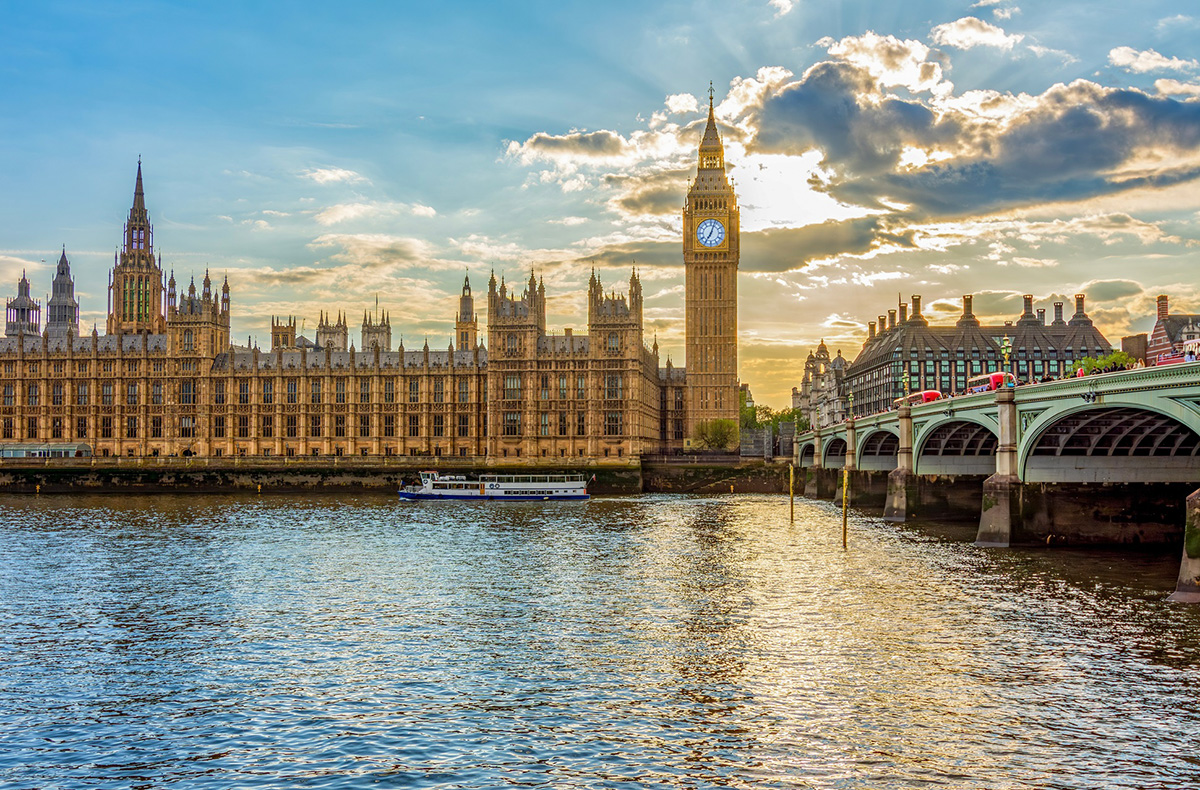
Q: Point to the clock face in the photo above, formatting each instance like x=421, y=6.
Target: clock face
x=710, y=233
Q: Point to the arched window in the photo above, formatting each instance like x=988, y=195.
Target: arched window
x=614, y=343
x=188, y=340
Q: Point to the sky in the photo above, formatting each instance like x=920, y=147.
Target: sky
x=331, y=156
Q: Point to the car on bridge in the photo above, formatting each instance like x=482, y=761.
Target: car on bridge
x=989, y=382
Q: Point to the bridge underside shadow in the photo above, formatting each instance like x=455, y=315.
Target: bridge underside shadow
x=1104, y=476
x=946, y=483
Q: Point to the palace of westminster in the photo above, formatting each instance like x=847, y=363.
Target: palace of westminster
x=165, y=379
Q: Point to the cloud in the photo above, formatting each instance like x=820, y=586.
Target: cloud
x=342, y=212
x=331, y=175
x=971, y=32
x=1005, y=13
x=993, y=152
x=1177, y=22
x=1066, y=57
x=839, y=108
x=649, y=192
x=781, y=7
x=1149, y=60
x=1110, y=290
x=789, y=249
x=889, y=60
x=601, y=144
x=681, y=103
x=1169, y=87
x=346, y=211
x=375, y=249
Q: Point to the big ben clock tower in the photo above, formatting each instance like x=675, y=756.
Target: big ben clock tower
x=711, y=237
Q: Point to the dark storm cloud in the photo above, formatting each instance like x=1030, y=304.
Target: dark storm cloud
x=1109, y=290
x=602, y=143
x=784, y=249
x=1068, y=149
x=826, y=110
x=654, y=194
x=1077, y=141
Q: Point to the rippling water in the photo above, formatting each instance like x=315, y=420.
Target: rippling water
x=322, y=641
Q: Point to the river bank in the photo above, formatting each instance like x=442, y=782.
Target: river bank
x=162, y=475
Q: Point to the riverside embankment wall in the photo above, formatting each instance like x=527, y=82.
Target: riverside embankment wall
x=157, y=475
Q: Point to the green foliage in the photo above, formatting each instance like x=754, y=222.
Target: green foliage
x=1117, y=360
x=764, y=416
x=715, y=435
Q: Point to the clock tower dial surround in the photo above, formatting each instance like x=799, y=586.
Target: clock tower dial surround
x=711, y=251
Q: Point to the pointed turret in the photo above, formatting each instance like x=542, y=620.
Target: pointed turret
x=712, y=151
x=62, y=311
x=138, y=212
x=23, y=314
x=136, y=291
x=466, y=326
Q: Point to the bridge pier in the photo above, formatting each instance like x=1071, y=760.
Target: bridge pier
x=1187, y=589
x=1001, y=510
x=902, y=483
x=1000, y=516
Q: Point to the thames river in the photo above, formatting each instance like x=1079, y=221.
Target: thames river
x=658, y=641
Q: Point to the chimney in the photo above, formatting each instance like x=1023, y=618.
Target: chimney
x=1058, y=313
x=882, y=324
x=1163, y=311
x=1041, y=316
x=1028, y=307
x=1080, y=318
x=968, y=316
x=870, y=330
x=916, y=301
x=567, y=331
x=891, y=319
x=903, y=313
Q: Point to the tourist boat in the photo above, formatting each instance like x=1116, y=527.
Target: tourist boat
x=498, y=487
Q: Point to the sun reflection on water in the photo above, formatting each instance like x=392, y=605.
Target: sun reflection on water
x=661, y=641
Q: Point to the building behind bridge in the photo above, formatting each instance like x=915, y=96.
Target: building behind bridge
x=904, y=354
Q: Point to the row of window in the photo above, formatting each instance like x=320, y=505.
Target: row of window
x=614, y=387
x=107, y=430
x=59, y=393
x=315, y=426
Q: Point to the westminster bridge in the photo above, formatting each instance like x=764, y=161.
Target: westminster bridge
x=1102, y=459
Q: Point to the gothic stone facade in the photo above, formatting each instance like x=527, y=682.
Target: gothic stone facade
x=165, y=379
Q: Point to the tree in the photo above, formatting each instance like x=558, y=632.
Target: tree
x=715, y=435
x=1117, y=360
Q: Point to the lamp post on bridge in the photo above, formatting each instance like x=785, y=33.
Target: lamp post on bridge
x=1006, y=350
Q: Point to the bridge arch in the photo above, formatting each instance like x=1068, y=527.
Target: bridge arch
x=956, y=446
x=878, y=450
x=807, y=454
x=1114, y=441
x=835, y=453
